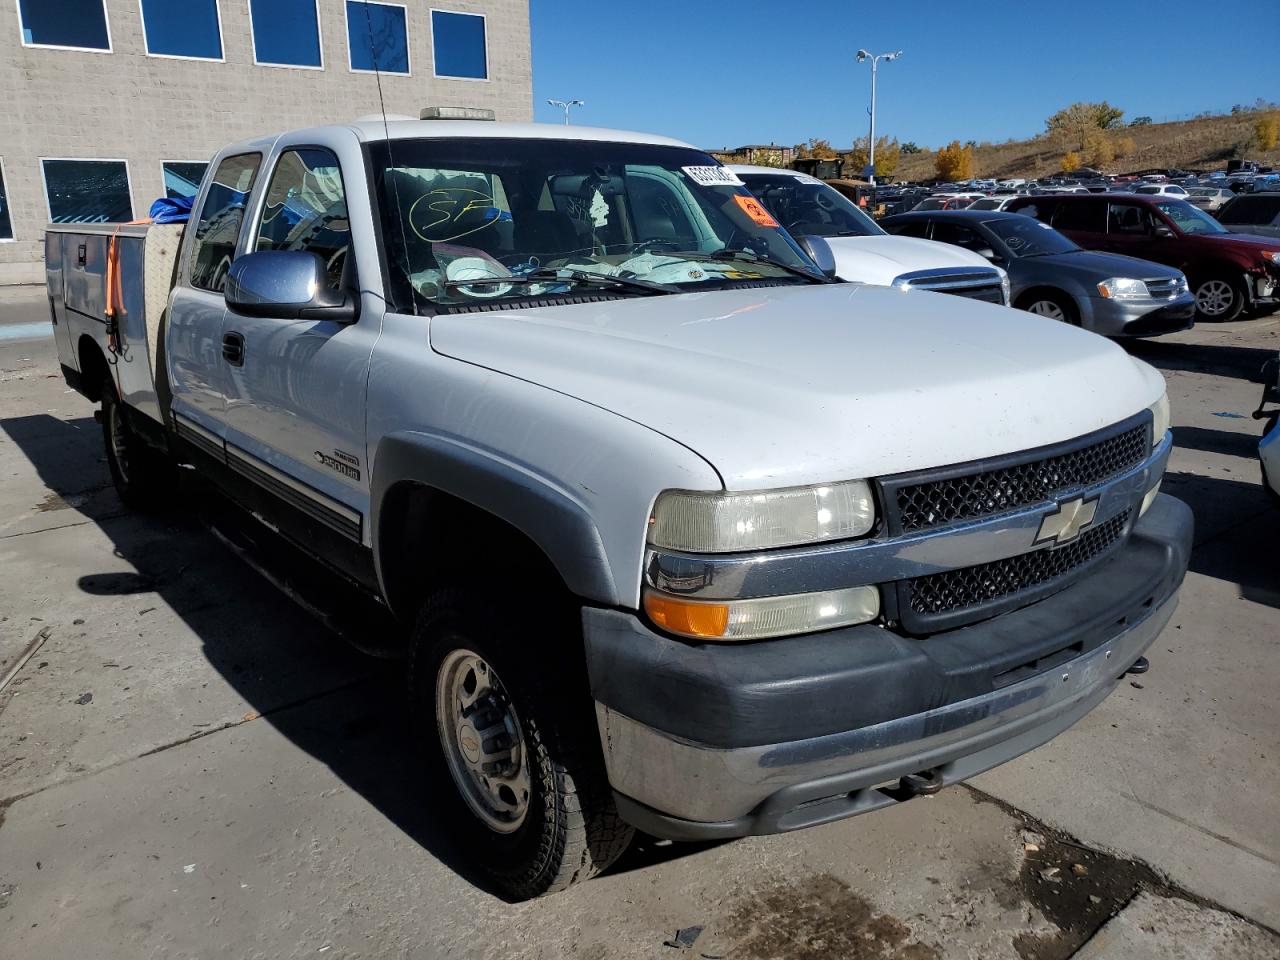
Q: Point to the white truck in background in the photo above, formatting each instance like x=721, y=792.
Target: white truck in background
x=675, y=532
x=862, y=251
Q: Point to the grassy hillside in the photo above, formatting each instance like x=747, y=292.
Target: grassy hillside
x=1203, y=143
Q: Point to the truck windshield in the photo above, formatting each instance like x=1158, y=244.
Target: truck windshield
x=554, y=218
x=1188, y=218
x=807, y=206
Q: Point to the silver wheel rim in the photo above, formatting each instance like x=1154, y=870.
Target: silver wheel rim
x=482, y=740
x=1214, y=297
x=119, y=443
x=1047, y=308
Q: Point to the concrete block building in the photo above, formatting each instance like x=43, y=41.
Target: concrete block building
x=110, y=104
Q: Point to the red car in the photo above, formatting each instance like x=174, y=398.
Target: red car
x=1228, y=272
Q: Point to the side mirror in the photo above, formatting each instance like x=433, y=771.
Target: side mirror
x=1163, y=232
x=287, y=285
x=819, y=252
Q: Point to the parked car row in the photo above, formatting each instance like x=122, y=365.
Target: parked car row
x=1229, y=273
x=1051, y=276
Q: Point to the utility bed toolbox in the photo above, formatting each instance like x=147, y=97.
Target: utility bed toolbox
x=125, y=320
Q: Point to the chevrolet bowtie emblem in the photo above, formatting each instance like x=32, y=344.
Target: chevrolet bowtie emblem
x=1065, y=523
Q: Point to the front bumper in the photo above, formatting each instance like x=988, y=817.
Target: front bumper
x=705, y=741
x=1141, y=318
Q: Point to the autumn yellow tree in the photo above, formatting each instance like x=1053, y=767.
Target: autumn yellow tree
x=954, y=162
x=888, y=155
x=1073, y=125
x=1071, y=162
x=1125, y=147
x=816, y=149
x=1266, y=131
x=1098, y=149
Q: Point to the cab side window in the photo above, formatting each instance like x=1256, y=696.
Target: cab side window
x=912, y=228
x=1127, y=219
x=306, y=210
x=1081, y=216
x=218, y=228
x=959, y=235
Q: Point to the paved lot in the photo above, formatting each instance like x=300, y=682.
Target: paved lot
x=190, y=766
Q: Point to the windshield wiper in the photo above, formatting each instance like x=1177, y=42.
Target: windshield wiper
x=747, y=256
x=566, y=276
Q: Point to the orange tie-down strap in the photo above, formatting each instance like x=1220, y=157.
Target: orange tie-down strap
x=115, y=289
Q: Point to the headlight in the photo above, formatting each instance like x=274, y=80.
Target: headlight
x=734, y=522
x=1272, y=255
x=1159, y=419
x=762, y=617
x=1123, y=288
x=1005, y=288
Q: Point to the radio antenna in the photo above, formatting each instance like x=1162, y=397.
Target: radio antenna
x=386, y=130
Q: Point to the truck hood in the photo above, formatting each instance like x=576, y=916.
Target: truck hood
x=783, y=386
x=882, y=259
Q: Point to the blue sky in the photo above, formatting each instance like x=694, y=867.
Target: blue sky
x=725, y=74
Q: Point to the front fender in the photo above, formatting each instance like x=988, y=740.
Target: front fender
x=550, y=515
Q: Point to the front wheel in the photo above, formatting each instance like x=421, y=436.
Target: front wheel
x=142, y=475
x=516, y=740
x=1052, y=307
x=1219, y=299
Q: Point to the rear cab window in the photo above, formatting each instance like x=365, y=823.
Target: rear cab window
x=221, y=216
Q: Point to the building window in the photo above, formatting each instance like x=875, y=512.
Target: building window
x=458, y=45
x=67, y=24
x=182, y=179
x=218, y=228
x=87, y=191
x=6, y=221
x=286, y=33
x=377, y=37
x=191, y=29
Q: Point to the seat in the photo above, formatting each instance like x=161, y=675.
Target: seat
x=546, y=234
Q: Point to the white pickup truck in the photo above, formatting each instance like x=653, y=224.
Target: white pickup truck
x=862, y=251
x=680, y=533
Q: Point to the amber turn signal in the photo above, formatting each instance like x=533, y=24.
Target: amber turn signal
x=689, y=619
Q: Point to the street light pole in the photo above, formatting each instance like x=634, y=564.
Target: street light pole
x=567, y=105
x=871, y=148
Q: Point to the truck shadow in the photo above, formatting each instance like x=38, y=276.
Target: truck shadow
x=1241, y=363
x=347, y=710
x=1236, y=531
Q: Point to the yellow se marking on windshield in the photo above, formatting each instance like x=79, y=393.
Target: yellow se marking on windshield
x=450, y=205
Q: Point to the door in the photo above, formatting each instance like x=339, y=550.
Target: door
x=297, y=388
x=197, y=371
x=1131, y=230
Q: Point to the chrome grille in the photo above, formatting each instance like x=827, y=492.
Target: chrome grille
x=960, y=495
x=953, y=591
x=975, y=284
x=1162, y=288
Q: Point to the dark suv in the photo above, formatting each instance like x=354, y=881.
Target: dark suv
x=1255, y=213
x=1228, y=272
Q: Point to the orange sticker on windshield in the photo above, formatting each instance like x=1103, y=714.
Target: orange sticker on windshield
x=754, y=209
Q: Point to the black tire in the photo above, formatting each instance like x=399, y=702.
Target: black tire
x=1051, y=305
x=1219, y=299
x=570, y=829
x=143, y=476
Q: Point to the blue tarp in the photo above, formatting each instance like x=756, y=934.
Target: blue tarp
x=171, y=210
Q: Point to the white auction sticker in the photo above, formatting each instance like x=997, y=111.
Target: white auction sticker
x=713, y=176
